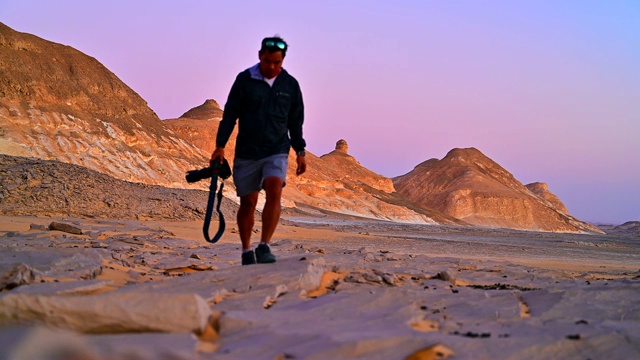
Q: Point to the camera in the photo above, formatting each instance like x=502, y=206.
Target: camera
x=222, y=170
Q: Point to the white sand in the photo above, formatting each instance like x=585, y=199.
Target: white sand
x=368, y=290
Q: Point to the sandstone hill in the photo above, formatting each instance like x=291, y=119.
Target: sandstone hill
x=469, y=186
x=57, y=103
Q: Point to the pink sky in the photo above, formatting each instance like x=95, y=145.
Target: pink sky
x=550, y=90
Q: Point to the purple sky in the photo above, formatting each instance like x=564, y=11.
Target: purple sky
x=550, y=90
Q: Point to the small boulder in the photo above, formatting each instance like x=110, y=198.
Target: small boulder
x=68, y=228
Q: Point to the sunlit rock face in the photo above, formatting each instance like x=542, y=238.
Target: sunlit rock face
x=542, y=191
x=57, y=103
x=469, y=186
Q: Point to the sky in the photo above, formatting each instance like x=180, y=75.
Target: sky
x=550, y=90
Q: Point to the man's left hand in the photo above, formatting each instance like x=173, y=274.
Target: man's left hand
x=302, y=165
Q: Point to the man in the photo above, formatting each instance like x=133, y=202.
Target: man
x=267, y=103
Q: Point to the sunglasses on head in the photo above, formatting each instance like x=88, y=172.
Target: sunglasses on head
x=275, y=44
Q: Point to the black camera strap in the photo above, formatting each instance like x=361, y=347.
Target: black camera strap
x=210, y=204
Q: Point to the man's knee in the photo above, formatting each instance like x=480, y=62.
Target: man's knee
x=273, y=185
x=249, y=201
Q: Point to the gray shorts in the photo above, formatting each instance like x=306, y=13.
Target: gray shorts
x=249, y=175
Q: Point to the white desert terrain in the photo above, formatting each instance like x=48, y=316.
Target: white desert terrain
x=340, y=289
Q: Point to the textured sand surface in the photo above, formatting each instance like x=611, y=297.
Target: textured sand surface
x=340, y=289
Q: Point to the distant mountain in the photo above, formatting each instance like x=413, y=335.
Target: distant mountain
x=471, y=187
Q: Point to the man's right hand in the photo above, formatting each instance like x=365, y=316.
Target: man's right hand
x=218, y=155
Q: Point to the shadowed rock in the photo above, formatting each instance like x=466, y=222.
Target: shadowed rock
x=68, y=228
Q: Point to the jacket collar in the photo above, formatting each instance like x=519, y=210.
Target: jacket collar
x=256, y=74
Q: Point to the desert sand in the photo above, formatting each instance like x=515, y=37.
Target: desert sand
x=341, y=289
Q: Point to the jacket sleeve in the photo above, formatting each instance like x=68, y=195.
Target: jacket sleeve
x=231, y=113
x=296, y=119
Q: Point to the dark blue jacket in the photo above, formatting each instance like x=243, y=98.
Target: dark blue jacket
x=269, y=117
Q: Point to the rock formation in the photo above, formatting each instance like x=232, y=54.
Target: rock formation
x=352, y=170
x=337, y=182
x=57, y=103
x=199, y=125
x=342, y=146
x=471, y=187
x=210, y=110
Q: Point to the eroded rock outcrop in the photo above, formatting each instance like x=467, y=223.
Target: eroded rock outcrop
x=469, y=186
x=353, y=170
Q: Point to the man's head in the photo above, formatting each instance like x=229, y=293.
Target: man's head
x=271, y=55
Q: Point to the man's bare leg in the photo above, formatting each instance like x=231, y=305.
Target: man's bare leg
x=246, y=218
x=272, y=207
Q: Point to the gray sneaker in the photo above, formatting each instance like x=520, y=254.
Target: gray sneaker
x=264, y=255
x=248, y=258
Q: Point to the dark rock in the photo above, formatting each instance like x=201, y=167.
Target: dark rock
x=38, y=227
x=65, y=228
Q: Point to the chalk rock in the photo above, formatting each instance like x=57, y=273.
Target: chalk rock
x=113, y=312
x=312, y=279
x=20, y=274
x=63, y=287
